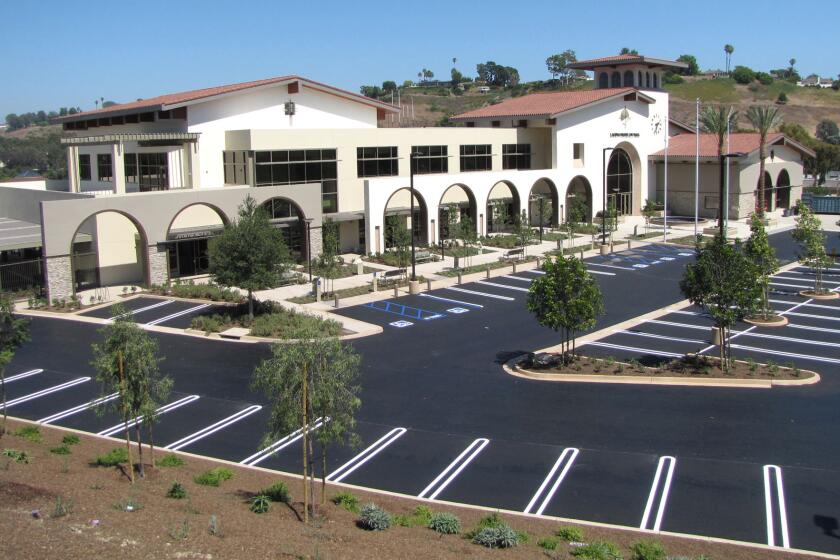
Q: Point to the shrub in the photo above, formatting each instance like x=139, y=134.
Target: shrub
x=647, y=550
x=277, y=492
x=30, y=433
x=374, y=518
x=597, y=550
x=112, y=458
x=17, y=456
x=62, y=507
x=347, y=501
x=177, y=491
x=782, y=99
x=213, y=477
x=570, y=534
x=170, y=460
x=181, y=531
x=128, y=505
x=743, y=75
x=70, y=439
x=445, y=523
x=764, y=78
x=672, y=78
x=497, y=537
x=289, y=324
x=548, y=543
x=60, y=450
x=260, y=504
x=214, y=527
x=421, y=515
x=209, y=323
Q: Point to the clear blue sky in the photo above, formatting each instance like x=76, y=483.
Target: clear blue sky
x=67, y=53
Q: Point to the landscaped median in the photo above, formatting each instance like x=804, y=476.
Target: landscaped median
x=65, y=494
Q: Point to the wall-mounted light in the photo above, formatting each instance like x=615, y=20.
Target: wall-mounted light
x=290, y=107
x=772, y=155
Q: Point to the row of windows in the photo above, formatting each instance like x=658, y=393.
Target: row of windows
x=646, y=79
x=149, y=170
x=290, y=167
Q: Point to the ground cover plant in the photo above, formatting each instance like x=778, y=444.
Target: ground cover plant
x=193, y=290
x=270, y=320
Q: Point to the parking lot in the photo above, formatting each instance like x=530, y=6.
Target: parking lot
x=151, y=311
x=440, y=419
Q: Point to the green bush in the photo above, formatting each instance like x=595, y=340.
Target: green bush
x=373, y=518
x=597, y=550
x=60, y=450
x=743, y=75
x=209, y=323
x=62, y=507
x=570, y=534
x=191, y=290
x=647, y=550
x=497, y=537
x=16, y=455
x=112, y=458
x=445, y=523
x=421, y=515
x=347, y=501
x=764, y=78
x=277, y=492
x=70, y=439
x=170, y=460
x=260, y=504
x=30, y=433
x=177, y=491
x=285, y=323
x=128, y=505
x=213, y=477
x=548, y=543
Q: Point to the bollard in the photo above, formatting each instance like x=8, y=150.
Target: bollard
x=538, y=263
x=628, y=244
x=375, y=284
x=514, y=267
x=488, y=271
x=428, y=285
x=396, y=290
x=336, y=300
x=318, y=290
x=581, y=254
x=459, y=277
x=591, y=245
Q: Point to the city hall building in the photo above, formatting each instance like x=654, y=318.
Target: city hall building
x=151, y=181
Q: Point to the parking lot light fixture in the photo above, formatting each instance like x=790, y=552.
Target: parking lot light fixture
x=604, y=201
x=309, y=245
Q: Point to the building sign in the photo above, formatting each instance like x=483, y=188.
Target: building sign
x=624, y=134
x=193, y=233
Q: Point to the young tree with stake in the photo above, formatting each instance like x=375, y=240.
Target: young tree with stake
x=760, y=253
x=808, y=234
x=13, y=333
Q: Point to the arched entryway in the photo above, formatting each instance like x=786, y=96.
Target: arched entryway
x=397, y=215
x=502, y=205
x=783, y=189
x=579, y=200
x=768, y=192
x=109, y=248
x=620, y=182
x=188, y=236
x=287, y=216
x=543, y=207
x=456, y=203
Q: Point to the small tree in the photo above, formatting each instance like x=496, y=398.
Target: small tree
x=761, y=254
x=565, y=299
x=522, y=230
x=808, y=234
x=126, y=362
x=577, y=212
x=250, y=253
x=500, y=213
x=400, y=238
x=649, y=212
x=724, y=283
x=467, y=234
x=452, y=213
x=13, y=333
x=328, y=261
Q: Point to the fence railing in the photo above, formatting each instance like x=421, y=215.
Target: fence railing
x=822, y=204
x=22, y=276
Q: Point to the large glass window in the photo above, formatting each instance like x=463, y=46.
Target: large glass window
x=620, y=182
x=236, y=167
x=377, y=162
x=153, y=172
x=476, y=158
x=84, y=167
x=130, y=161
x=290, y=167
x=516, y=156
x=104, y=169
x=430, y=159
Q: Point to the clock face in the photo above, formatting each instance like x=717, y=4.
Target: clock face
x=656, y=124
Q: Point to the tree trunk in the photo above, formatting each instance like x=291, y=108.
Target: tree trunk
x=765, y=303
x=722, y=348
x=3, y=390
x=141, y=471
x=323, y=474
x=125, y=417
x=251, y=305
x=305, y=451
x=762, y=156
x=152, y=441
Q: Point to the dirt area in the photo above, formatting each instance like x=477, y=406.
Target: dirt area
x=161, y=527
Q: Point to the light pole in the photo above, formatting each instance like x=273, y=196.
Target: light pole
x=723, y=195
x=604, y=211
x=309, y=246
x=411, y=157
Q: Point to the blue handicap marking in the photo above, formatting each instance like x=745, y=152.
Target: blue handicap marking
x=404, y=310
x=401, y=324
x=457, y=310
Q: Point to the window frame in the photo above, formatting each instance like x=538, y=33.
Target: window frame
x=516, y=156
x=432, y=159
x=476, y=157
x=104, y=168
x=377, y=163
x=84, y=167
x=294, y=167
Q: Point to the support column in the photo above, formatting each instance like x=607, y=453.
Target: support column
x=59, y=273
x=193, y=175
x=317, y=242
x=73, y=168
x=118, y=167
x=158, y=272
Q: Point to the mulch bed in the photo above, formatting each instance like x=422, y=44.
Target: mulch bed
x=168, y=528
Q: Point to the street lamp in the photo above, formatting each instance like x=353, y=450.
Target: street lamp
x=604, y=211
x=411, y=157
x=723, y=195
x=309, y=246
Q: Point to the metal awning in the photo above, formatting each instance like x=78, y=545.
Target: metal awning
x=17, y=234
x=131, y=137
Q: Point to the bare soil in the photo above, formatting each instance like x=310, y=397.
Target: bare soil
x=168, y=528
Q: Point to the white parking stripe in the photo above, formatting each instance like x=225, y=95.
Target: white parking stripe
x=44, y=392
x=661, y=337
x=140, y=310
x=801, y=287
x=213, y=428
x=461, y=462
x=756, y=334
x=633, y=349
x=590, y=271
x=369, y=453
x=654, y=491
x=786, y=354
x=683, y=325
x=774, y=472
x=609, y=266
x=76, y=409
x=453, y=300
x=497, y=285
x=800, y=280
x=813, y=316
x=814, y=305
x=23, y=375
x=810, y=328
x=280, y=444
x=475, y=293
x=566, y=459
x=534, y=271
x=176, y=315
x=139, y=419
x=512, y=277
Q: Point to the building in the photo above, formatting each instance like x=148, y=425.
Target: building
x=815, y=81
x=152, y=180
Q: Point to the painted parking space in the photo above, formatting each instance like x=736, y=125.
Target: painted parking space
x=23, y=387
x=138, y=306
x=149, y=311
x=813, y=507
x=640, y=258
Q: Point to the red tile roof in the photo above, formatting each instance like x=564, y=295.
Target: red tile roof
x=626, y=59
x=608, y=59
x=542, y=104
x=684, y=145
x=163, y=102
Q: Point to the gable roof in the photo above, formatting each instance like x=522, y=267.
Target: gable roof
x=684, y=145
x=548, y=105
x=620, y=59
x=184, y=98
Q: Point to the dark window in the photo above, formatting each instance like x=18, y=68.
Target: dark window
x=130, y=168
x=430, y=159
x=290, y=167
x=577, y=151
x=84, y=167
x=628, y=78
x=476, y=158
x=620, y=182
x=104, y=168
x=616, y=79
x=153, y=172
x=603, y=81
x=377, y=162
x=236, y=167
x=655, y=81
x=516, y=156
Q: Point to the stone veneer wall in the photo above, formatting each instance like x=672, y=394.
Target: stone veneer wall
x=158, y=265
x=59, y=277
x=317, y=241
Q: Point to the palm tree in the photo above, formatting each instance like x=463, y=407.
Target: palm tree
x=728, y=49
x=719, y=120
x=763, y=118
x=792, y=64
